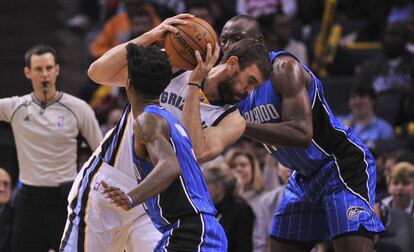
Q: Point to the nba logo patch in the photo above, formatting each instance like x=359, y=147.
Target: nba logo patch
x=60, y=121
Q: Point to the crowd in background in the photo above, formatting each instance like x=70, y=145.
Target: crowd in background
x=373, y=52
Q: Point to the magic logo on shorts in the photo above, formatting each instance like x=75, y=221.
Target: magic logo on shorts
x=353, y=212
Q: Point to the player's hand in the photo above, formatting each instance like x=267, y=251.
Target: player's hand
x=203, y=67
x=168, y=25
x=116, y=196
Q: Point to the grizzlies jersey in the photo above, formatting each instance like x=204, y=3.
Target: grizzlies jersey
x=331, y=142
x=93, y=224
x=116, y=146
x=188, y=194
x=173, y=100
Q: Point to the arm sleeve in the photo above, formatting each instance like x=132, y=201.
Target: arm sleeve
x=89, y=126
x=7, y=108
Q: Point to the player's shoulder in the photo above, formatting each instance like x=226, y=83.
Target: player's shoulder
x=148, y=124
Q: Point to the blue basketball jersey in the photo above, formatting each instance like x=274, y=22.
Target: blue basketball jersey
x=188, y=194
x=331, y=141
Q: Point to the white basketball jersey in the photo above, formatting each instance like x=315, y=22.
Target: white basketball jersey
x=173, y=99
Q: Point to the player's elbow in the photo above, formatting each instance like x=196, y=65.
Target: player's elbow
x=173, y=168
x=306, y=137
x=93, y=72
x=206, y=155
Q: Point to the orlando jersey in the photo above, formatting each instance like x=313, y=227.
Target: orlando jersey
x=331, y=141
x=188, y=194
x=173, y=99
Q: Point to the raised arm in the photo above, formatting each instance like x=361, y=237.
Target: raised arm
x=111, y=68
x=296, y=130
x=207, y=143
x=151, y=136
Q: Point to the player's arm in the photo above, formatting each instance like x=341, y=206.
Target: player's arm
x=191, y=114
x=217, y=138
x=290, y=80
x=111, y=68
x=152, y=132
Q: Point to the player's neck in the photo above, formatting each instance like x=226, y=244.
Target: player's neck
x=138, y=105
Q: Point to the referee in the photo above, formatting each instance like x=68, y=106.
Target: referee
x=46, y=124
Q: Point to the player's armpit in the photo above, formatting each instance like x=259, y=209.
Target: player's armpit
x=226, y=133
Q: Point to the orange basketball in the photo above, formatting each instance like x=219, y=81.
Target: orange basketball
x=193, y=36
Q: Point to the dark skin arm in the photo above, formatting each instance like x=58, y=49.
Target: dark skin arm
x=296, y=130
x=151, y=136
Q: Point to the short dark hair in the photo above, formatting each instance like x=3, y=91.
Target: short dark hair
x=39, y=49
x=250, y=51
x=363, y=90
x=149, y=69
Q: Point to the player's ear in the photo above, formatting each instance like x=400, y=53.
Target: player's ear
x=232, y=60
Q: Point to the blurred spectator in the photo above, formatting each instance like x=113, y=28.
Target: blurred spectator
x=389, y=74
x=137, y=19
x=168, y=8
x=233, y=213
x=92, y=12
x=46, y=124
x=202, y=9
x=401, y=188
x=257, y=8
x=6, y=212
x=247, y=166
x=400, y=11
x=278, y=36
x=112, y=119
x=390, y=159
x=266, y=209
x=362, y=120
x=410, y=29
x=396, y=211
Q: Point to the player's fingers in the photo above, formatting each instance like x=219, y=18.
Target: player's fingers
x=198, y=57
x=183, y=16
x=208, y=54
x=216, y=53
x=113, y=193
x=170, y=28
x=104, y=184
x=118, y=199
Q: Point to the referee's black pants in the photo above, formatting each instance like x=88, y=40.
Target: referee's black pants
x=40, y=217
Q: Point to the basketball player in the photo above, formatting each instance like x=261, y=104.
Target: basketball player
x=238, y=73
x=112, y=161
x=331, y=192
x=171, y=182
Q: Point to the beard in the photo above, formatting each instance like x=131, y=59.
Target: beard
x=227, y=93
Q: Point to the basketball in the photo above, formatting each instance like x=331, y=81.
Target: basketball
x=193, y=36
